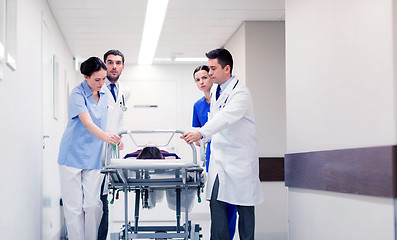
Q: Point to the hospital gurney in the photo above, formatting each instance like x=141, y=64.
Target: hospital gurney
x=144, y=176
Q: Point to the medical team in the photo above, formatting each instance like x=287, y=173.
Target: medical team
x=96, y=116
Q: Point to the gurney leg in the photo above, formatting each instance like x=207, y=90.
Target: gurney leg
x=137, y=197
x=178, y=209
x=126, y=212
x=145, y=197
x=187, y=229
x=197, y=230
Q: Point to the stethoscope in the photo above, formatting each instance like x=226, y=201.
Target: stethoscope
x=224, y=103
x=122, y=104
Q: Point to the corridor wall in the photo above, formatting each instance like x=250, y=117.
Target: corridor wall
x=258, y=49
x=21, y=126
x=340, y=95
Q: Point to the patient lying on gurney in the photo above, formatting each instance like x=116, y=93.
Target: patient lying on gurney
x=153, y=152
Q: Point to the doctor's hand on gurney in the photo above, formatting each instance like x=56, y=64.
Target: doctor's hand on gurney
x=191, y=137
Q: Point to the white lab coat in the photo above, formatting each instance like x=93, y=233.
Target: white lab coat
x=115, y=121
x=234, y=158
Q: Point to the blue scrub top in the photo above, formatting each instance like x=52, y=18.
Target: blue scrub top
x=200, y=112
x=200, y=116
x=79, y=148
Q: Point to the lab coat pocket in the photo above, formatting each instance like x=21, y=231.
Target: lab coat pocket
x=234, y=161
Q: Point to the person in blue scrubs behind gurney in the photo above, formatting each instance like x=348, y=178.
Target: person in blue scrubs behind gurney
x=200, y=116
x=80, y=152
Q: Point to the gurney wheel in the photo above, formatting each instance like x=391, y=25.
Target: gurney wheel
x=196, y=234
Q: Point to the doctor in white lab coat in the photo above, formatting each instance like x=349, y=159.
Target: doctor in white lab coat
x=117, y=108
x=233, y=175
x=118, y=96
x=114, y=60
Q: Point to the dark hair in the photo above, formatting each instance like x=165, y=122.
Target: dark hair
x=224, y=57
x=202, y=67
x=150, y=153
x=91, y=65
x=113, y=52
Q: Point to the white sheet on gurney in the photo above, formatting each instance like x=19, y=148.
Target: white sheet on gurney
x=136, y=164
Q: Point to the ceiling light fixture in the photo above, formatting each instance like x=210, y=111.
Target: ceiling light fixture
x=154, y=19
x=162, y=59
x=180, y=59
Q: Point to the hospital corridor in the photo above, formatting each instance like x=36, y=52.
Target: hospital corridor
x=277, y=119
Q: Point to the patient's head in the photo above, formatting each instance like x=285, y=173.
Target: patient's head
x=150, y=152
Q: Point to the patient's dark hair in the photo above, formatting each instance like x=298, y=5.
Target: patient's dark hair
x=150, y=153
x=91, y=65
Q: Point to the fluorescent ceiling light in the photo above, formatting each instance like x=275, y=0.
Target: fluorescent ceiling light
x=180, y=59
x=155, y=14
x=162, y=59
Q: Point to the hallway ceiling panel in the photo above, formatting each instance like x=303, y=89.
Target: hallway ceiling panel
x=191, y=27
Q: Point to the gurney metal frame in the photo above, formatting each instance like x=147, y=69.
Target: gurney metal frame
x=186, y=175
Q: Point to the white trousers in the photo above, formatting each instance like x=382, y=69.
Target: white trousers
x=80, y=190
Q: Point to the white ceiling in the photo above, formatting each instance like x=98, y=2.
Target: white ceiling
x=191, y=27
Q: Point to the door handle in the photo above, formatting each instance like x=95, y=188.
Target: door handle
x=44, y=137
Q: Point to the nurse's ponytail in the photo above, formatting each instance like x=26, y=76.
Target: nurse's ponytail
x=91, y=65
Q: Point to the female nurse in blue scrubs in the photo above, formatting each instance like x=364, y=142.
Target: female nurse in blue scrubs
x=80, y=152
x=200, y=116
